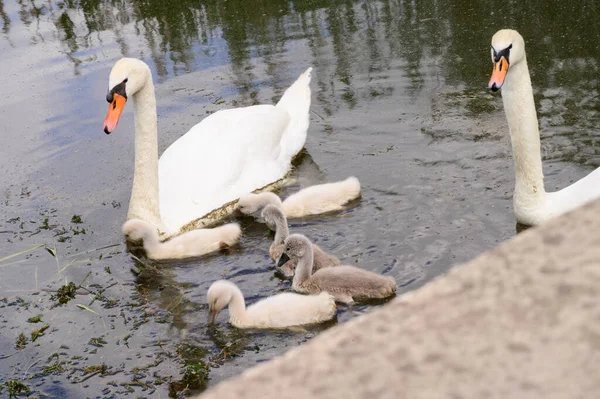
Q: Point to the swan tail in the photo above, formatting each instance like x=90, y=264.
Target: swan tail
x=296, y=102
x=350, y=189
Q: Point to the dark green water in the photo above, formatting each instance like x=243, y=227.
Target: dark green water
x=399, y=100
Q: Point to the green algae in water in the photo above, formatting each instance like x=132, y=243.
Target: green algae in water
x=196, y=376
x=55, y=368
x=101, y=368
x=35, y=334
x=76, y=219
x=65, y=293
x=35, y=319
x=97, y=342
x=16, y=387
x=21, y=341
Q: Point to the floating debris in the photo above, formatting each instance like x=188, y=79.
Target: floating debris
x=16, y=387
x=35, y=334
x=98, y=342
x=65, y=293
x=21, y=341
x=35, y=319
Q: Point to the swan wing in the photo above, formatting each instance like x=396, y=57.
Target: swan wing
x=230, y=153
x=289, y=309
x=575, y=195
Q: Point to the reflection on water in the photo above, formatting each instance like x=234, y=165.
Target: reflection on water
x=399, y=99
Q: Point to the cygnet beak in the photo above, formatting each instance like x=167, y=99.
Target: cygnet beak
x=282, y=259
x=212, y=315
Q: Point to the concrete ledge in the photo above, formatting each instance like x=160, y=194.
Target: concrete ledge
x=520, y=321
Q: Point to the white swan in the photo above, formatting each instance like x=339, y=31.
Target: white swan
x=187, y=245
x=275, y=220
x=229, y=153
x=312, y=200
x=346, y=283
x=532, y=204
x=278, y=311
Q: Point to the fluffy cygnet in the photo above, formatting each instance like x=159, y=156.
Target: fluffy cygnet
x=187, y=245
x=346, y=283
x=275, y=220
x=277, y=311
x=313, y=200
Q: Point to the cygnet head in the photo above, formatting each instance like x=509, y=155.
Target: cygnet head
x=219, y=295
x=127, y=77
x=508, y=49
x=136, y=230
x=249, y=203
x=271, y=214
x=294, y=247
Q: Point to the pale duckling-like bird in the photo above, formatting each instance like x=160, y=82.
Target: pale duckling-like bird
x=532, y=204
x=346, y=283
x=312, y=200
x=190, y=244
x=229, y=153
x=278, y=311
x=275, y=220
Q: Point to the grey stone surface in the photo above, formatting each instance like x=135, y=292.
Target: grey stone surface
x=520, y=321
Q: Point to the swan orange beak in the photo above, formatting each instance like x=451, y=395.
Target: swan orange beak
x=114, y=113
x=498, y=74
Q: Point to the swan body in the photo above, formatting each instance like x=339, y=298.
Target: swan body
x=532, y=204
x=229, y=153
x=346, y=283
x=278, y=311
x=313, y=200
x=275, y=220
x=187, y=245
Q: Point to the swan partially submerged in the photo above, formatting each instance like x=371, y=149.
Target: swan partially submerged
x=312, y=200
x=187, y=245
x=346, y=283
x=229, y=153
x=277, y=311
x=532, y=203
x=275, y=220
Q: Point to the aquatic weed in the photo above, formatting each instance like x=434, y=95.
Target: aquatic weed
x=35, y=319
x=65, y=293
x=21, y=341
x=16, y=387
x=35, y=334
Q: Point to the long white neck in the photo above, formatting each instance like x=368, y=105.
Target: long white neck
x=517, y=95
x=304, y=267
x=237, y=306
x=144, y=193
x=281, y=230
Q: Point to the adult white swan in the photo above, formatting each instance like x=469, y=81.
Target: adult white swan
x=229, y=153
x=532, y=204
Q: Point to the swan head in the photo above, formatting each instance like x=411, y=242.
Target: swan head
x=294, y=247
x=127, y=77
x=508, y=49
x=271, y=214
x=219, y=296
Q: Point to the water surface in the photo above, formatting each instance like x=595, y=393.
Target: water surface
x=399, y=100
